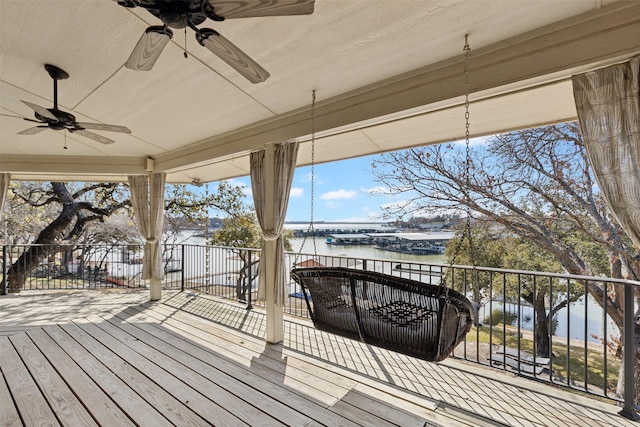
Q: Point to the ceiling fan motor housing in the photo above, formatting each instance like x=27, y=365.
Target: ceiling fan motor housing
x=179, y=14
x=176, y=14
x=64, y=119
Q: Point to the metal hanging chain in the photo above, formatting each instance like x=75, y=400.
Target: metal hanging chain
x=467, y=228
x=310, y=229
x=466, y=233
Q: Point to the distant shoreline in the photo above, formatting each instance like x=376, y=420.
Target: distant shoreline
x=336, y=222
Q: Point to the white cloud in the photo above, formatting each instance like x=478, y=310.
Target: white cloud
x=367, y=215
x=339, y=194
x=296, y=192
x=376, y=191
x=400, y=204
x=481, y=140
x=246, y=190
x=307, y=177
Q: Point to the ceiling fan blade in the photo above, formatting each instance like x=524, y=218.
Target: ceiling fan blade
x=149, y=48
x=41, y=110
x=12, y=115
x=34, y=130
x=99, y=138
x=102, y=126
x=20, y=117
x=230, y=9
x=232, y=55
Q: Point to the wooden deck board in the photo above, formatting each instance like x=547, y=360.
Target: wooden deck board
x=314, y=370
x=221, y=408
x=313, y=366
x=138, y=375
x=244, y=348
x=63, y=402
x=31, y=404
x=171, y=377
x=191, y=360
x=382, y=409
x=137, y=408
x=236, y=378
x=296, y=370
x=97, y=402
x=9, y=416
x=322, y=387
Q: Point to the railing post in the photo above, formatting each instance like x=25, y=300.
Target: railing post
x=628, y=410
x=5, y=270
x=182, y=252
x=249, y=285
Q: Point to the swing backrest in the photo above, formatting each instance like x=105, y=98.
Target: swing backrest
x=403, y=315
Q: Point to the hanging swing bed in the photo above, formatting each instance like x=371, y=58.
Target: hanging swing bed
x=399, y=314
x=423, y=320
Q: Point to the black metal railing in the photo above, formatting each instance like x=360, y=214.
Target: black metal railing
x=40, y=267
x=555, y=328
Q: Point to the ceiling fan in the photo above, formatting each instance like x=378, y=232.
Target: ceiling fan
x=53, y=118
x=180, y=14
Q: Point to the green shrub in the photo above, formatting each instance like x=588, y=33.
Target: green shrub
x=498, y=316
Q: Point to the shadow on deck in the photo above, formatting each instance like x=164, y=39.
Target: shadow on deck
x=112, y=358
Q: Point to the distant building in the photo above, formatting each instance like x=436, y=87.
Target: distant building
x=421, y=243
x=415, y=243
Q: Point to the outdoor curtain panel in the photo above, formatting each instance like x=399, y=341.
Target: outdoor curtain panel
x=608, y=104
x=271, y=177
x=5, y=179
x=147, y=199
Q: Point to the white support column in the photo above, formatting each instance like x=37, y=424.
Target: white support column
x=155, y=289
x=275, y=322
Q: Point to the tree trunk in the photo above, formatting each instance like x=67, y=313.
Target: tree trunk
x=44, y=244
x=636, y=368
x=19, y=271
x=244, y=273
x=542, y=332
x=240, y=286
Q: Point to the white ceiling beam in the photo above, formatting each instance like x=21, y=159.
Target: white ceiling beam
x=547, y=54
x=66, y=165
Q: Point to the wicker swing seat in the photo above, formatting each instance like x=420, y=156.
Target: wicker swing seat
x=399, y=314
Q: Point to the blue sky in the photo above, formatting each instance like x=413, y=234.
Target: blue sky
x=341, y=192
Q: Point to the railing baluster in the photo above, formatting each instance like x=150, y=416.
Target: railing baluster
x=520, y=312
x=5, y=270
x=569, y=336
x=628, y=409
x=182, y=267
x=535, y=318
x=551, y=331
x=213, y=270
x=605, y=340
x=250, y=284
x=586, y=338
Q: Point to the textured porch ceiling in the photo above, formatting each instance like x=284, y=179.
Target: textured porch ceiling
x=388, y=75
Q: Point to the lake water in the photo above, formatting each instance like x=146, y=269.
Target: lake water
x=364, y=251
x=571, y=321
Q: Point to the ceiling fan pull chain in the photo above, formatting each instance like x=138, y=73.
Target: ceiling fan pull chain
x=185, y=41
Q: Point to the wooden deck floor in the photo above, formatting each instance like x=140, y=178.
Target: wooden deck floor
x=111, y=358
